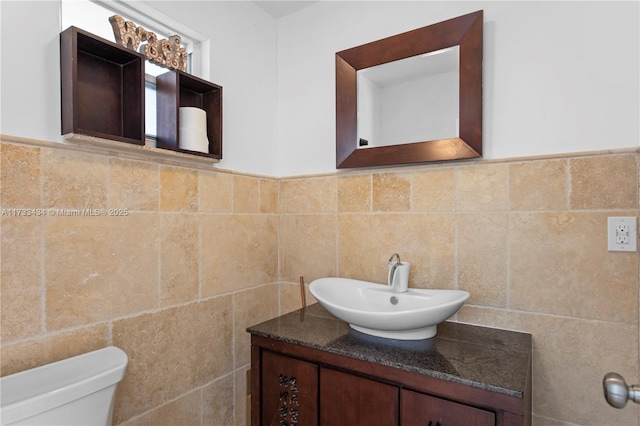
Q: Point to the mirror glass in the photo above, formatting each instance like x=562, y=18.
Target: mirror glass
x=410, y=100
x=413, y=97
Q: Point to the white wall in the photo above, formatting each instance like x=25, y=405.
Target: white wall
x=243, y=61
x=558, y=76
x=30, y=77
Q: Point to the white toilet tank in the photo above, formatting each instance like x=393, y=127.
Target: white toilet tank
x=74, y=391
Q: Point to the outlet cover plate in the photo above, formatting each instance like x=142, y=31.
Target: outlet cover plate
x=622, y=233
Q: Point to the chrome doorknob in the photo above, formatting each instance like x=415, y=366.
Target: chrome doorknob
x=616, y=391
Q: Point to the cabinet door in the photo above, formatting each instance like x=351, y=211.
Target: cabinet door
x=289, y=389
x=423, y=410
x=346, y=399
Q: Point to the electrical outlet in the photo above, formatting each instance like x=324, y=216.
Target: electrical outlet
x=622, y=234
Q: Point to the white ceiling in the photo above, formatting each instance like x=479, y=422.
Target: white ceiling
x=282, y=8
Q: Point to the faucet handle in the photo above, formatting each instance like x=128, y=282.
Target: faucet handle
x=397, y=256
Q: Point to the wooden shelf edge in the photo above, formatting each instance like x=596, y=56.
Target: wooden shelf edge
x=138, y=152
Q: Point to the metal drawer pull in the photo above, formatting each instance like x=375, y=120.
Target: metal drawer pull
x=616, y=391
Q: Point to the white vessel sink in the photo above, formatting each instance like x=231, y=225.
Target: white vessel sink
x=376, y=310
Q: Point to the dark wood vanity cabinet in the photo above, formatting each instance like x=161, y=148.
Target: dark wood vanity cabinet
x=308, y=370
x=296, y=392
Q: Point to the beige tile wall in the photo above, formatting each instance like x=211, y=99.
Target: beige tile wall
x=526, y=238
x=174, y=282
x=201, y=255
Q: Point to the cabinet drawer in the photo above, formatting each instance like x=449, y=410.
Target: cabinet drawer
x=418, y=409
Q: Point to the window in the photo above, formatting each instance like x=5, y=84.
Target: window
x=93, y=16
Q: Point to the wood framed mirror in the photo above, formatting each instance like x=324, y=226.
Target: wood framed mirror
x=466, y=32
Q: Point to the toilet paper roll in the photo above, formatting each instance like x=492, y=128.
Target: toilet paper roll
x=192, y=130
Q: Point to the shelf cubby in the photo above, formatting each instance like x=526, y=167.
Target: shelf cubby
x=177, y=89
x=102, y=88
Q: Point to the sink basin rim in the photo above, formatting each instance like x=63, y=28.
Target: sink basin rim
x=408, y=324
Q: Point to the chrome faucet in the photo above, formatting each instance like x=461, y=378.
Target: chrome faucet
x=392, y=269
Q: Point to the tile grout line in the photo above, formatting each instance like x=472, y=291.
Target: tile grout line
x=508, y=242
x=158, y=240
x=199, y=217
x=568, y=190
x=456, y=215
x=108, y=190
x=42, y=250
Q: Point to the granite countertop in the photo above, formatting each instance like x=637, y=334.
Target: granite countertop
x=487, y=358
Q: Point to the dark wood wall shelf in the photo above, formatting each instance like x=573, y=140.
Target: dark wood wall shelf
x=102, y=88
x=177, y=89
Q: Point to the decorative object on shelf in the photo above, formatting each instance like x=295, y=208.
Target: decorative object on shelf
x=193, y=129
x=166, y=53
